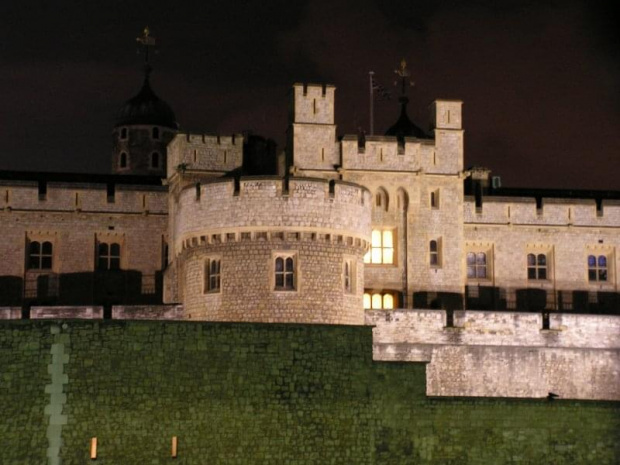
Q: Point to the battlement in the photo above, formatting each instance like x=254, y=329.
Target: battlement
x=268, y=203
x=312, y=103
x=545, y=211
x=203, y=152
x=82, y=197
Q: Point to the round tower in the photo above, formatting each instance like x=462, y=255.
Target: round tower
x=271, y=250
x=144, y=126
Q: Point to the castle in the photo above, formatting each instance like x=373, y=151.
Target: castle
x=370, y=249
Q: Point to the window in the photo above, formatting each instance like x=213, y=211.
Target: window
x=434, y=253
x=377, y=301
x=477, y=265
x=381, y=199
x=123, y=133
x=155, y=160
x=108, y=256
x=212, y=275
x=122, y=162
x=40, y=255
x=284, y=271
x=155, y=133
x=597, y=268
x=536, y=266
x=348, y=276
x=382, y=248
x=434, y=199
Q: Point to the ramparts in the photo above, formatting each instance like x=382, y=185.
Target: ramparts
x=265, y=204
x=548, y=212
x=204, y=152
x=505, y=354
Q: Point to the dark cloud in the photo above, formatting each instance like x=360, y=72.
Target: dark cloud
x=539, y=79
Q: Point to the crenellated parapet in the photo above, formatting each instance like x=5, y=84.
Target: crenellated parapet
x=545, y=211
x=205, y=153
x=265, y=204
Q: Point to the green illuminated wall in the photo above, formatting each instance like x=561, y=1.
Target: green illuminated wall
x=261, y=394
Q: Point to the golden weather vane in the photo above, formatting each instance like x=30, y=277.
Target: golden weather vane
x=147, y=42
x=404, y=75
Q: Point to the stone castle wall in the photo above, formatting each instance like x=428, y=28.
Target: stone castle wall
x=505, y=354
x=74, y=217
x=203, y=152
x=261, y=394
x=320, y=225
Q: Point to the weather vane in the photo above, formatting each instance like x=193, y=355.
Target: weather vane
x=404, y=74
x=147, y=42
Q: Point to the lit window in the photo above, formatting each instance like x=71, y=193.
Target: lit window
x=155, y=160
x=212, y=275
x=108, y=256
x=284, y=273
x=597, y=268
x=477, y=265
x=155, y=133
x=379, y=301
x=536, y=266
x=40, y=256
x=434, y=253
x=382, y=248
x=123, y=160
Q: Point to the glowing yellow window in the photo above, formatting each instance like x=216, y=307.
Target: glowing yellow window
x=378, y=301
x=388, y=301
x=382, y=248
x=367, y=301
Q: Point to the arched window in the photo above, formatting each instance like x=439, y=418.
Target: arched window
x=155, y=133
x=381, y=199
x=284, y=273
x=477, y=265
x=155, y=160
x=122, y=161
x=40, y=255
x=597, y=268
x=536, y=266
x=402, y=200
x=108, y=256
x=379, y=301
x=123, y=133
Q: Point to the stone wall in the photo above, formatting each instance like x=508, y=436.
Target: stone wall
x=505, y=354
x=319, y=225
x=261, y=394
x=203, y=152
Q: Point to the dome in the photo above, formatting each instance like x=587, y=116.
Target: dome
x=146, y=108
x=404, y=127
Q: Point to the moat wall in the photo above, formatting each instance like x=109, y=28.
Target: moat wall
x=257, y=393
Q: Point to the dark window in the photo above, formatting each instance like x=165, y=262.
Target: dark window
x=212, y=275
x=597, y=268
x=347, y=276
x=434, y=253
x=285, y=273
x=155, y=133
x=155, y=160
x=123, y=160
x=536, y=266
x=123, y=133
x=40, y=255
x=477, y=265
x=108, y=256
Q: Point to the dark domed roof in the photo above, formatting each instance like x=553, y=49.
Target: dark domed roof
x=146, y=108
x=404, y=127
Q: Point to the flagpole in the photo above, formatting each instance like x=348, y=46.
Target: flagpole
x=372, y=116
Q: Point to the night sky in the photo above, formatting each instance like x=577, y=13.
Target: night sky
x=539, y=79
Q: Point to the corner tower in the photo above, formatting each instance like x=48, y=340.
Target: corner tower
x=144, y=126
